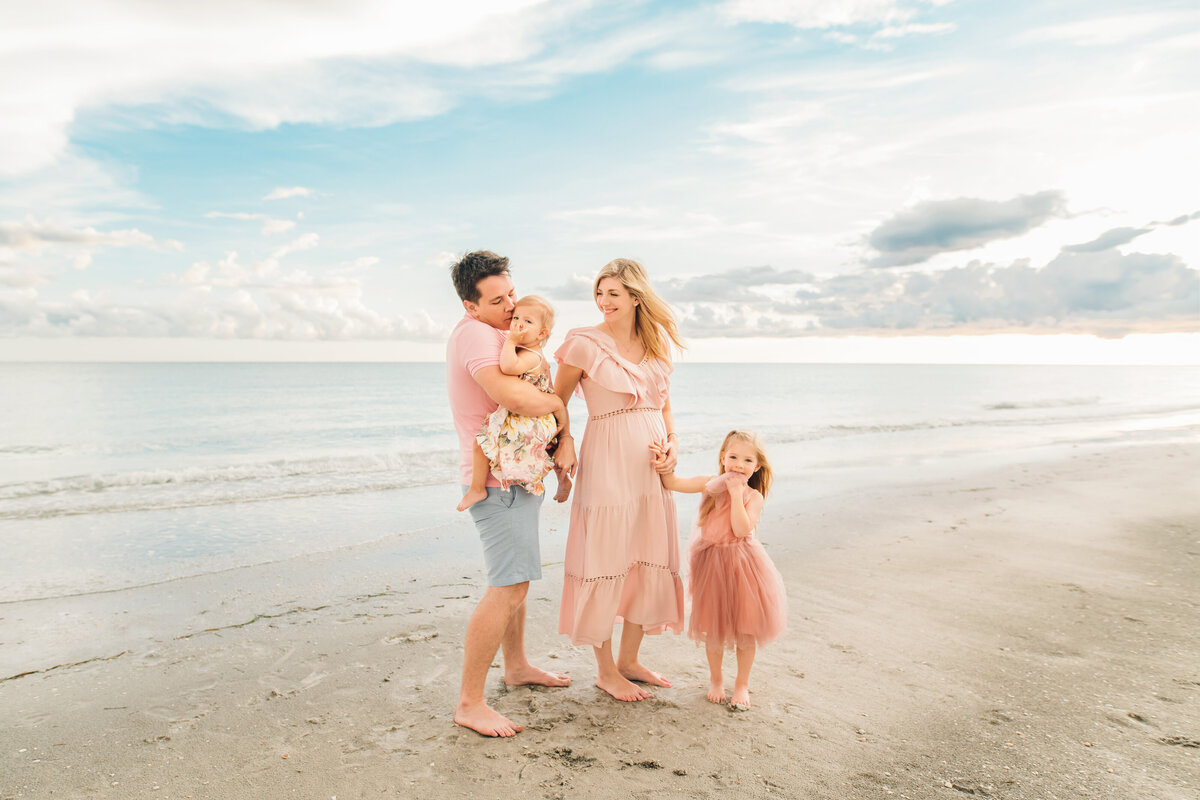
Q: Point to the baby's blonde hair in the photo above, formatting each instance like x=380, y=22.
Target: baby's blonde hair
x=653, y=323
x=760, y=480
x=542, y=305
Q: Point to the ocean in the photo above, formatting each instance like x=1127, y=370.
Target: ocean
x=123, y=475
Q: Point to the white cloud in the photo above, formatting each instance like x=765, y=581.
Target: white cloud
x=1110, y=30
x=821, y=14
x=259, y=61
x=284, y=192
x=270, y=226
x=34, y=236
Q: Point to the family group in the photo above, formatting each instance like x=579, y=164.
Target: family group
x=622, y=561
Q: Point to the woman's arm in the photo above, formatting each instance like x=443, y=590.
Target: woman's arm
x=743, y=516
x=667, y=456
x=514, y=361
x=564, y=384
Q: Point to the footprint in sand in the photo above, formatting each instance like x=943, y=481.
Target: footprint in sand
x=419, y=635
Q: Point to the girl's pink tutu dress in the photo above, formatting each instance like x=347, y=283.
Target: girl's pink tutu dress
x=737, y=594
x=622, y=559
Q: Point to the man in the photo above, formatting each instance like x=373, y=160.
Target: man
x=507, y=520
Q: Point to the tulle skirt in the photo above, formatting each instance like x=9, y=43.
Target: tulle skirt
x=736, y=592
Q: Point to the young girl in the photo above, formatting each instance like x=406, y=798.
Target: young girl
x=737, y=594
x=510, y=445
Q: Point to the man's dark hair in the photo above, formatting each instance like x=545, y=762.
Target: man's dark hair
x=474, y=267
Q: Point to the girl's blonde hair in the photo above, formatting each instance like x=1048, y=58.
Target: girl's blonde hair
x=541, y=304
x=760, y=480
x=653, y=321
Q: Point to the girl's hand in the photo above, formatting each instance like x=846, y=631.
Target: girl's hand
x=736, y=485
x=665, y=456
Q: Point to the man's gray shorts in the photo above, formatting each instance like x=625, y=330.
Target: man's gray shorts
x=507, y=521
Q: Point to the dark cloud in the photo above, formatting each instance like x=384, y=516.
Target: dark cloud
x=1108, y=240
x=577, y=287
x=941, y=226
x=1106, y=293
x=1180, y=220
x=733, y=286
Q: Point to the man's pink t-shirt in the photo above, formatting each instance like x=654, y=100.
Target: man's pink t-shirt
x=473, y=345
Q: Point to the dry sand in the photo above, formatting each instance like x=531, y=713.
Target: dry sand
x=1028, y=631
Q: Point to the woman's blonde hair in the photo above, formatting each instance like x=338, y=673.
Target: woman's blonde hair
x=760, y=480
x=653, y=321
x=541, y=304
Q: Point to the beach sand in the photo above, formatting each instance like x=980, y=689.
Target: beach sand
x=1023, y=631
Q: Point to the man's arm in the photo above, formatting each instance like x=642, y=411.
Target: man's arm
x=518, y=396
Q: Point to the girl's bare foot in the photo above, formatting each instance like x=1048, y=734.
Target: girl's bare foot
x=636, y=672
x=472, y=497
x=532, y=676
x=741, y=698
x=485, y=721
x=716, y=690
x=622, y=689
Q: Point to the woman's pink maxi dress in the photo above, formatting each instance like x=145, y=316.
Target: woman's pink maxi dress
x=737, y=593
x=622, y=560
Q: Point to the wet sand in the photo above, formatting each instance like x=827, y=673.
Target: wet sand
x=1025, y=631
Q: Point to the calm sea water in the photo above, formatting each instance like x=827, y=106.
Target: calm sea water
x=117, y=475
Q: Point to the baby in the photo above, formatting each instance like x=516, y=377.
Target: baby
x=511, y=446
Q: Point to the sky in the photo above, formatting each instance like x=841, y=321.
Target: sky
x=864, y=180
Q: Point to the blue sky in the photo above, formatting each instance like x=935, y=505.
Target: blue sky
x=913, y=180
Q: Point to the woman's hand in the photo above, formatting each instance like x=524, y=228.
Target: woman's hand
x=664, y=456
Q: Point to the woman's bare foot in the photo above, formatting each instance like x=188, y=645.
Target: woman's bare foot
x=622, y=689
x=741, y=698
x=485, y=721
x=472, y=497
x=636, y=672
x=716, y=690
x=532, y=676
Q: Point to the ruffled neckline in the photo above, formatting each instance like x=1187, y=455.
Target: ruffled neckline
x=608, y=344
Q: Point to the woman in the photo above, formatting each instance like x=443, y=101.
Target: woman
x=622, y=561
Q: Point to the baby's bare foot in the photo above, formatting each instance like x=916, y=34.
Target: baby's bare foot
x=716, y=691
x=564, y=488
x=472, y=497
x=622, y=689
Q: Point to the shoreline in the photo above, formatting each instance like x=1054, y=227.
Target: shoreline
x=1018, y=631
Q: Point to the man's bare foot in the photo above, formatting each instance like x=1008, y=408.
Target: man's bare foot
x=564, y=488
x=636, y=672
x=622, y=689
x=741, y=698
x=532, y=676
x=716, y=690
x=485, y=721
x=472, y=497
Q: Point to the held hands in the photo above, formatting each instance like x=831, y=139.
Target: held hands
x=664, y=456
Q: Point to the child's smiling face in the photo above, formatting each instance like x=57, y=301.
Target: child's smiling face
x=740, y=457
